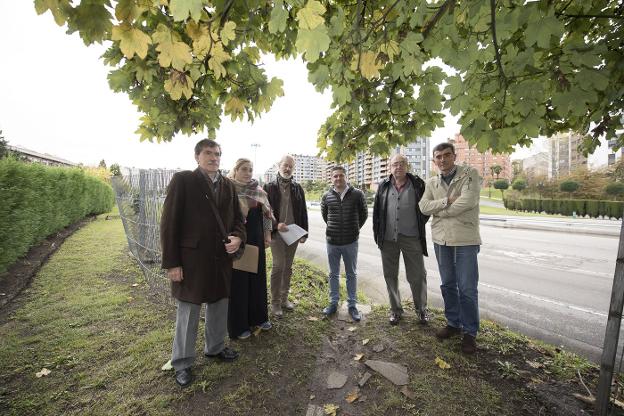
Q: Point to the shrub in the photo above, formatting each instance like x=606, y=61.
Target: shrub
x=615, y=189
x=569, y=186
x=519, y=184
x=38, y=200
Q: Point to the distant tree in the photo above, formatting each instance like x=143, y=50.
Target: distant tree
x=615, y=189
x=569, y=186
x=519, y=184
x=115, y=170
x=501, y=184
x=4, y=149
x=496, y=170
x=102, y=164
x=516, y=168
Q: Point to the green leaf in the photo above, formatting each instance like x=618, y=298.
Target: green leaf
x=93, y=20
x=128, y=10
x=342, y=95
x=312, y=42
x=59, y=8
x=409, y=45
x=311, y=16
x=279, y=17
x=319, y=76
x=337, y=22
x=181, y=9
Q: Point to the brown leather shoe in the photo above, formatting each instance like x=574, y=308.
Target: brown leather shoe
x=448, y=332
x=469, y=344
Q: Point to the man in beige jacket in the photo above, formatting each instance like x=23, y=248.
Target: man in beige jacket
x=452, y=200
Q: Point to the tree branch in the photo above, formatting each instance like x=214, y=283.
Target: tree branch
x=448, y=5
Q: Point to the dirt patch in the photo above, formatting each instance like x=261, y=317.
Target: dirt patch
x=20, y=274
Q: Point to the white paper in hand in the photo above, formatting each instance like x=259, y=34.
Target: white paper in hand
x=293, y=234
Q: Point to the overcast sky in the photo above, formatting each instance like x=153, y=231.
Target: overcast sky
x=55, y=98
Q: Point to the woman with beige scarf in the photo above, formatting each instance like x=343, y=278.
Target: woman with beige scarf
x=248, y=294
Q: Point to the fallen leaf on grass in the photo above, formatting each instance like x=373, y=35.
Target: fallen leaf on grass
x=313, y=318
x=408, y=393
x=312, y=396
x=44, y=372
x=257, y=331
x=442, y=364
x=365, y=341
x=352, y=328
x=534, y=364
x=358, y=357
x=135, y=285
x=585, y=399
x=331, y=409
x=130, y=298
x=167, y=366
x=352, y=395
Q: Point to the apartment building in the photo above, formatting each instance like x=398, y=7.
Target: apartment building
x=482, y=162
x=565, y=156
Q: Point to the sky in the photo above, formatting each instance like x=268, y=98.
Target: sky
x=55, y=99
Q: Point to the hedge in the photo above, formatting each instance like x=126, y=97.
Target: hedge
x=582, y=207
x=37, y=201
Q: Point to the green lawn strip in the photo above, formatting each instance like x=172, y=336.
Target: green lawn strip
x=81, y=319
x=488, y=210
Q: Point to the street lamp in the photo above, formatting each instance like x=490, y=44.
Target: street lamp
x=255, y=147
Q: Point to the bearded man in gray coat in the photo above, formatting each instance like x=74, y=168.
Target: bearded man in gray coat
x=197, y=255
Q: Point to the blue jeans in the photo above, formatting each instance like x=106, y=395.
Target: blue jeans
x=459, y=272
x=349, y=254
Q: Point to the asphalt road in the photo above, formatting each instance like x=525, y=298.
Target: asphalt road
x=550, y=285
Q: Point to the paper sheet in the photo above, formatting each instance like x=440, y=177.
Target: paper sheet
x=293, y=234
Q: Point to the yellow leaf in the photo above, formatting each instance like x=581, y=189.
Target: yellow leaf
x=353, y=395
x=228, y=33
x=358, y=357
x=217, y=58
x=368, y=65
x=311, y=15
x=365, y=341
x=391, y=49
x=44, y=372
x=235, y=107
x=175, y=54
x=167, y=366
x=195, y=30
x=179, y=84
x=351, y=328
x=131, y=40
x=442, y=364
x=257, y=331
x=313, y=318
x=330, y=409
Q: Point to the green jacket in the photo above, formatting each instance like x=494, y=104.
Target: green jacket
x=456, y=224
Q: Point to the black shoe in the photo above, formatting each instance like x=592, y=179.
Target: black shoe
x=448, y=332
x=184, y=377
x=227, y=354
x=423, y=317
x=394, y=318
x=469, y=344
x=330, y=310
x=355, y=314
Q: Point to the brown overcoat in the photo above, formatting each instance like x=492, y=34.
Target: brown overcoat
x=190, y=236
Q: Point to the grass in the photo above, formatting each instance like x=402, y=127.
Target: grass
x=104, y=341
x=488, y=210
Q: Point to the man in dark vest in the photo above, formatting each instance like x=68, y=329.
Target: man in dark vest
x=399, y=227
x=198, y=256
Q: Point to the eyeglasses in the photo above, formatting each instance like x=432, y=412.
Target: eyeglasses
x=397, y=164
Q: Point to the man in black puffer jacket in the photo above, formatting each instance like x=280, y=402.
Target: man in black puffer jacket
x=344, y=211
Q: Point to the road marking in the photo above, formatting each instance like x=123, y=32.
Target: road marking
x=545, y=300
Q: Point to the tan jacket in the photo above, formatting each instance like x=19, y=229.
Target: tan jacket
x=456, y=224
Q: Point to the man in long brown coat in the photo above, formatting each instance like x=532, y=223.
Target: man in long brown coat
x=197, y=255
